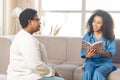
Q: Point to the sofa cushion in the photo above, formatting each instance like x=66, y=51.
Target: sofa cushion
x=115, y=75
x=73, y=51
x=53, y=63
x=4, y=54
x=116, y=57
x=78, y=73
x=55, y=47
x=78, y=63
x=117, y=65
x=66, y=71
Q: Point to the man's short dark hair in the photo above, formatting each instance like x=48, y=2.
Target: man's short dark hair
x=27, y=14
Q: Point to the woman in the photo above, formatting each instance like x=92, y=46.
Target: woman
x=99, y=63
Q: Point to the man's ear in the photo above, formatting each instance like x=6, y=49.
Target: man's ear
x=29, y=21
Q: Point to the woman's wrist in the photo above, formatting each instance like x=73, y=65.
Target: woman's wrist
x=105, y=53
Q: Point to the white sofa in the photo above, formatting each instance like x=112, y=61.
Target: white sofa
x=63, y=55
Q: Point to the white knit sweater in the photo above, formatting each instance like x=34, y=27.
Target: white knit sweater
x=27, y=59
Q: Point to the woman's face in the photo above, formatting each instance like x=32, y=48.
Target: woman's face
x=97, y=23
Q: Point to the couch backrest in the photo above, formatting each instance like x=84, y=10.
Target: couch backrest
x=4, y=54
x=59, y=50
x=73, y=51
x=67, y=49
x=116, y=57
x=62, y=49
x=55, y=48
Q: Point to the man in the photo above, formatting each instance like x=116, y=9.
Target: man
x=27, y=54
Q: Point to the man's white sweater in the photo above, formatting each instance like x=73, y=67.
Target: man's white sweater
x=27, y=59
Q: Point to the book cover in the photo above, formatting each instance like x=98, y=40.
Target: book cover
x=87, y=45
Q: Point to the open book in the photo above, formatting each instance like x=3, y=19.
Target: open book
x=87, y=45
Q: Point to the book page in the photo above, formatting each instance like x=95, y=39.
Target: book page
x=97, y=45
x=87, y=45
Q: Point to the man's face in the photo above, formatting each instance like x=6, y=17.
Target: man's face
x=35, y=24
